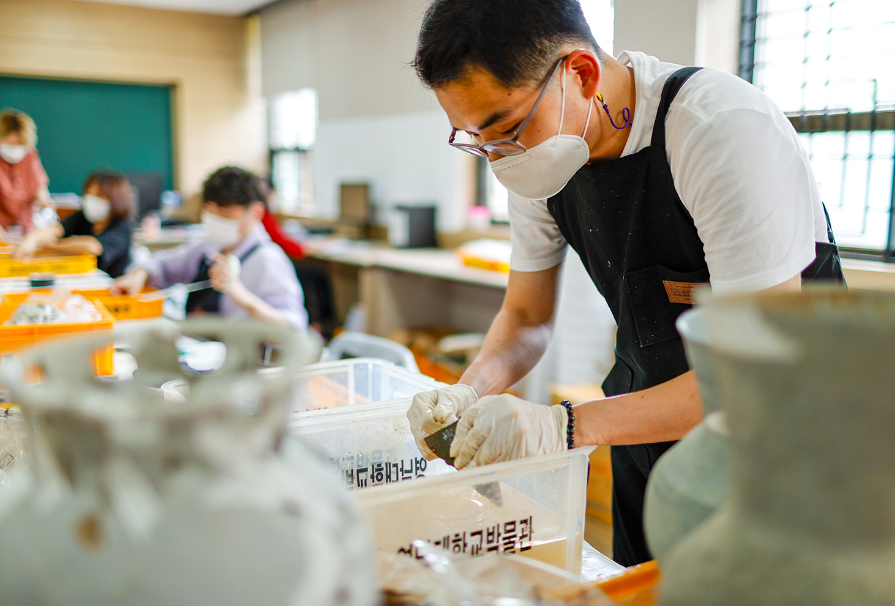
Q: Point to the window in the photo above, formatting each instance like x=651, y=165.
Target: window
x=293, y=130
x=600, y=16
x=828, y=65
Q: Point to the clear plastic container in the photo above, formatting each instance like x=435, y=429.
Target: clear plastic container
x=370, y=445
x=533, y=507
x=356, y=381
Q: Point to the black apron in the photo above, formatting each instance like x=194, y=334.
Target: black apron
x=208, y=299
x=640, y=246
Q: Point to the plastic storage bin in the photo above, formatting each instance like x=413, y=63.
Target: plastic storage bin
x=16, y=337
x=540, y=513
x=45, y=263
x=356, y=381
x=368, y=445
x=124, y=307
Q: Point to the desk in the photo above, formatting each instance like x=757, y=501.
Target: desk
x=169, y=237
x=404, y=288
x=869, y=275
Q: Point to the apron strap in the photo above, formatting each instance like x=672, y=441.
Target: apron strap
x=208, y=299
x=249, y=252
x=669, y=91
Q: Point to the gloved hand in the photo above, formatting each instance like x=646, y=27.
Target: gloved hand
x=224, y=273
x=504, y=427
x=436, y=409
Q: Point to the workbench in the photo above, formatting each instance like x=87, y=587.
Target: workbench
x=411, y=288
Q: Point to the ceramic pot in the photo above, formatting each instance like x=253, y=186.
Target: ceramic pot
x=136, y=499
x=691, y=480
x=807, y=382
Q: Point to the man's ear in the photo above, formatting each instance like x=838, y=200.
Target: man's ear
x=257, y=209
x=587, y=70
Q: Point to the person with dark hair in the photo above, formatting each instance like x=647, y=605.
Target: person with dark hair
x=661, y=178
x=247, y=275
x=103, y=227
x=23, y=180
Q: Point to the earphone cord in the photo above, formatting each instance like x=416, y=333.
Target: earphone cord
x=626, y=114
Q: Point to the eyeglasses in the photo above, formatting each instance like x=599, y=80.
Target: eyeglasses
x=501, y=147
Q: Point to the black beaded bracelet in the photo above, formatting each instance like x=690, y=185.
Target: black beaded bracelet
x=570, y=429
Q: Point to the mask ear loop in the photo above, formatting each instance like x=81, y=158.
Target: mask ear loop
x=562, y=111
x=626, y=114
x=590, y=107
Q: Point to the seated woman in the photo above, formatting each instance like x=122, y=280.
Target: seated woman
x=103, y=227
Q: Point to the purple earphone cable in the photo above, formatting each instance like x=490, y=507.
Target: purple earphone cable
x=626, y=114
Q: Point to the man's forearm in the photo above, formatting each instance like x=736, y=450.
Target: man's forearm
x=662, y=413
x=257, y=307
x=77, y=245
x=510, y=351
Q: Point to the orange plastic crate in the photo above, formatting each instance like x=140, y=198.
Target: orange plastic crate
x=125, y=307
x=634, y=586
x=45, y=263
x=13, y=338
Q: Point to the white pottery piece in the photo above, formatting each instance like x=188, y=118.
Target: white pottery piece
x=807, y=382
x=134, y=498
x=691, y=480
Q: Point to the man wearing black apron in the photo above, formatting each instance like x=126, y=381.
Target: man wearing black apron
x=525, y=85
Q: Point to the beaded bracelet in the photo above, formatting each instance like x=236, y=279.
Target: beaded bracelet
x=570, y=430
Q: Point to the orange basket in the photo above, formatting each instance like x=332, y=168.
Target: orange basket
x=45, y=263
x=634, y=586
x=13, y=338
x=124, y=307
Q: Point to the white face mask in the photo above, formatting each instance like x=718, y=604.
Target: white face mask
x=96, y=209
x=13, y=153
x=546, y=168
x=221, y=231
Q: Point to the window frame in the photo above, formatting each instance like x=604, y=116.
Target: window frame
x=823, y=121
x=305, y=205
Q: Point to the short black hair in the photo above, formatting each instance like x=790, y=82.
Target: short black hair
x=517, y=41
x=231, y=186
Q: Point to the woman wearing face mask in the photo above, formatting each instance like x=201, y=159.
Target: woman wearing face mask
x=103, y=227
x=236, y=271
x=23, y=181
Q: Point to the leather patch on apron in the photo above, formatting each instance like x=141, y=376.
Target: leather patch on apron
x=681, y=292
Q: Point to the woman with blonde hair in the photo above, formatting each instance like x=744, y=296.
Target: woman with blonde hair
x=23, y=180
x=103, y=227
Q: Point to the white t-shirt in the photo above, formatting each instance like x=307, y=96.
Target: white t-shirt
x=737, y=166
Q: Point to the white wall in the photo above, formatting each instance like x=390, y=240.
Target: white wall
x=663, y=28
x=404, y=157
x=377, y=123
x=687, y=32
x=718, y=34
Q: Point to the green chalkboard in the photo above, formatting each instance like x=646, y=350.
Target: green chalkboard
x=83, y=126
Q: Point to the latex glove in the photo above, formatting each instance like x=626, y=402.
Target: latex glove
x=436, y=409
x=504, y=428
x=224, y=273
